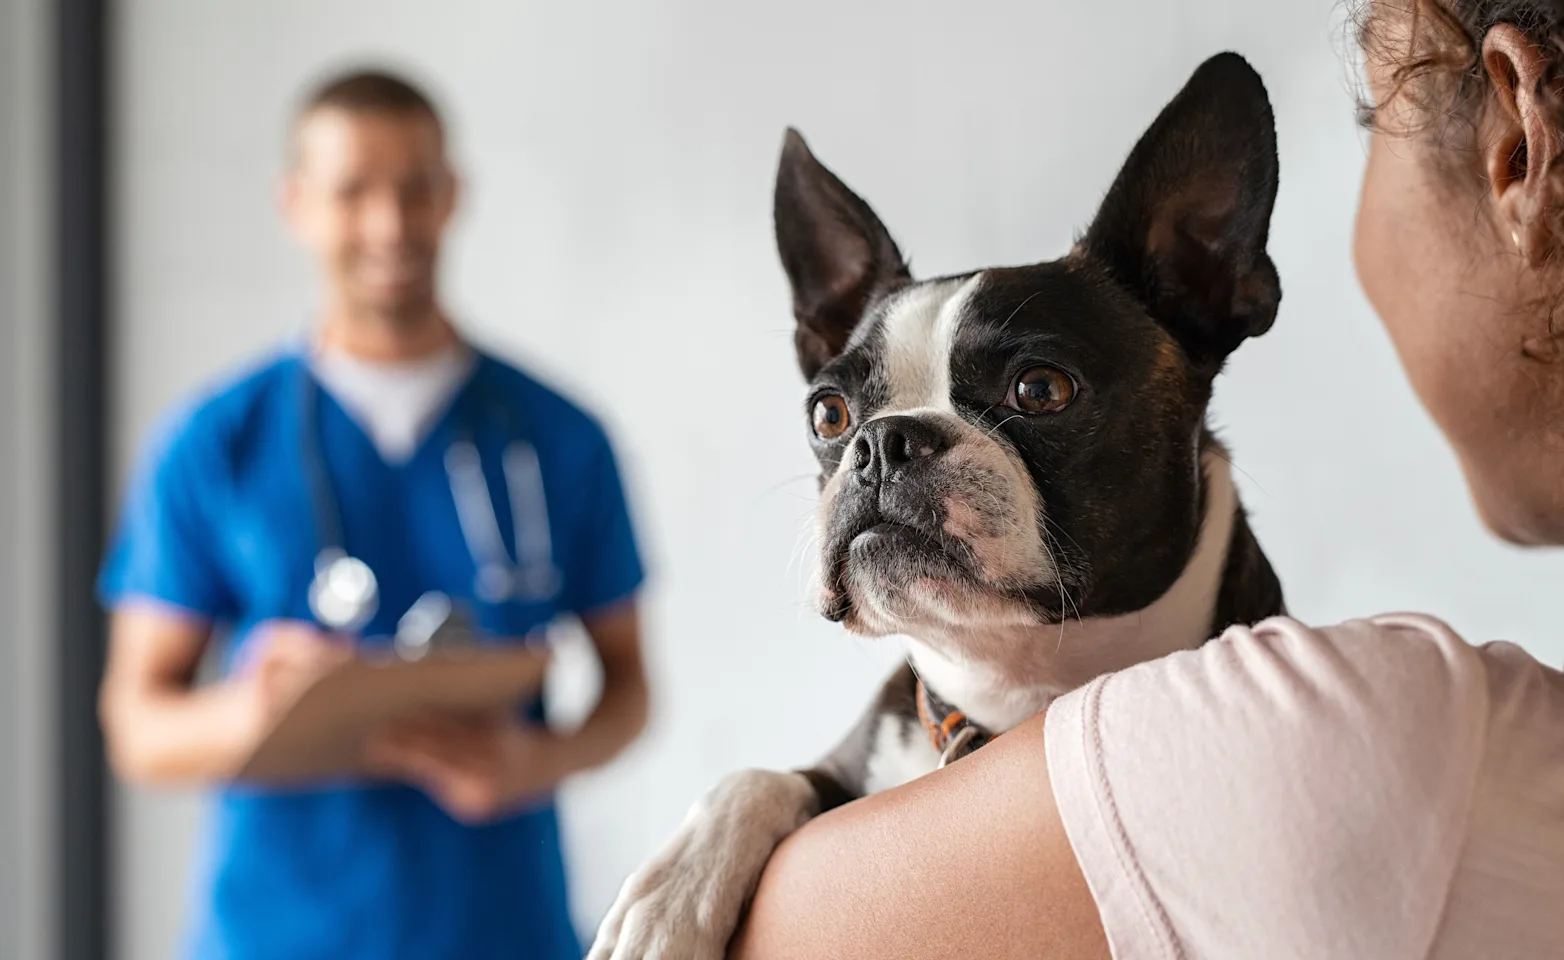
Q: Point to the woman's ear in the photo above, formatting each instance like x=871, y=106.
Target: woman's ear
x=1519, y=157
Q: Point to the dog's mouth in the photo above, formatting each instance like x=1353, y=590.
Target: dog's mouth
x=891, y=556
x=933, y=541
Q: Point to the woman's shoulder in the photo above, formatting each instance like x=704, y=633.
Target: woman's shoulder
x=1398, y=700
x=1404, y=672
x=1401, y=698
x=1397, y=662
x=1277, y=755
x=1381, y=678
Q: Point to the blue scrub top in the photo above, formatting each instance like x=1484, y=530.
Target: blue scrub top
x=219, y=522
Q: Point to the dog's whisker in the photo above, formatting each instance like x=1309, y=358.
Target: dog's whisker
x=808, y=539
x=1220, y=454
x=785, y=481
x=1063, y=593
x=1067, y=603
x=1000, y=424
x=1019, y=307
x=1053, y=524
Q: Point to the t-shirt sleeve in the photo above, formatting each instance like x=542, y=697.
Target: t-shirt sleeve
x=606, y=566
x=1281, y=791
x=164, y=548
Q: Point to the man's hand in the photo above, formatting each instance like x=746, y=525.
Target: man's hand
x=477, y=768
x=160, y=729
x=280, y=660
x=485, y=767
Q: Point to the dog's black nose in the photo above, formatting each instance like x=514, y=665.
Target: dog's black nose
x=889, y=445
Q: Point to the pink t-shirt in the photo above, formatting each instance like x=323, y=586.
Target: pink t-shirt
x=1376, y=790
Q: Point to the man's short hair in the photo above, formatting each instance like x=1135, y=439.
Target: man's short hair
x=369, y=91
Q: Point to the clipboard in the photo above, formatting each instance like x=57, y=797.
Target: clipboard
x=321, y=736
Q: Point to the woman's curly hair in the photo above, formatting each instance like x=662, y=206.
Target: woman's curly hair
x=1437, y=67
x=1438, y=61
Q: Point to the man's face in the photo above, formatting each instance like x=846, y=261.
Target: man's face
x=370, y=194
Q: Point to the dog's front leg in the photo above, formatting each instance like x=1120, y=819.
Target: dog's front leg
x=686, y=903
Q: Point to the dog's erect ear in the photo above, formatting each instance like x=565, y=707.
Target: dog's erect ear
x=1185, y=224
x=836, y=252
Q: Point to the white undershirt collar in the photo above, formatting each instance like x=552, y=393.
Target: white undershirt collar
x=396, y=403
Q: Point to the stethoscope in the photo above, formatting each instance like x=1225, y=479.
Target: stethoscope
x=345, y=594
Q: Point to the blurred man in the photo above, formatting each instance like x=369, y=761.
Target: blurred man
x=304, y=507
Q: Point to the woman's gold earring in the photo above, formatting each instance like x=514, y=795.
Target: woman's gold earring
x=1516, y=237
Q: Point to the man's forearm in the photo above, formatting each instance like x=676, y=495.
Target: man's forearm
x=173, y=736
x=622, y=710
x=619, y=718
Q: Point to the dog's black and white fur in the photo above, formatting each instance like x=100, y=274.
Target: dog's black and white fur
x=1016, y=474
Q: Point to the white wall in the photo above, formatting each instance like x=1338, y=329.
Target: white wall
x=619, y=160
x=26, y=831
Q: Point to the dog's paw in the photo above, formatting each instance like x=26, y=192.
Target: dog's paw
x=657, y=918
x=686, y=902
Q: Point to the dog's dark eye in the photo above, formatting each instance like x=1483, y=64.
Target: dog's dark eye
x=831, y=417
x=1042, y=390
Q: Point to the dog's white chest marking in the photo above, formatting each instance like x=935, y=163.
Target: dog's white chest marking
x=901, y=754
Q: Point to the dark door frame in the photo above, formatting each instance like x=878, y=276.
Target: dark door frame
x=82, y=298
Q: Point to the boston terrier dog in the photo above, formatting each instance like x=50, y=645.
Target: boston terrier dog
x=1015, y=472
